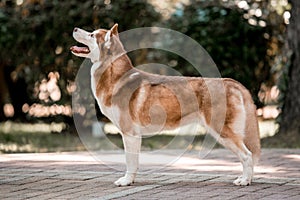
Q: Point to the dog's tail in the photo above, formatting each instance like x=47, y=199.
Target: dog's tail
x=252, y=138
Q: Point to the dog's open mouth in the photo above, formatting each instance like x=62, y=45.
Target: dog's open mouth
x=83, y=50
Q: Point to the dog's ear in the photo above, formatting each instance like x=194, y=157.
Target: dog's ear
x=114, y=29
x=107, y=41
x=109, y=34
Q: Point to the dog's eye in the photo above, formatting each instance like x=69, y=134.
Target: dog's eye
x=92, y=35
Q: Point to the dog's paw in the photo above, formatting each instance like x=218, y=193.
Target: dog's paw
x=124, y=181
x=242, y=181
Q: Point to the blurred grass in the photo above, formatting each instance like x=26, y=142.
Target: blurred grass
x=30, y=138
x=40, y=142
x=55, y=142
x=18, y=140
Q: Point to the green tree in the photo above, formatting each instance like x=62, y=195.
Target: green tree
x=237, y=48
x=244, y=38
x=37, y=34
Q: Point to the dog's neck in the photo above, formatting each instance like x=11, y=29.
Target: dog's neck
x=107, y=73
x=118, y=66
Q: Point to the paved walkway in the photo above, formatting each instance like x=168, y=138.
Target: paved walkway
x=77, y=175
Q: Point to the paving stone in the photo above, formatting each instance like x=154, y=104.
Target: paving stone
x=27, y=176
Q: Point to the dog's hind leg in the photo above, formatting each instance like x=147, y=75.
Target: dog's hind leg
x=132, y=146
x=245, y=157
x=237, y=146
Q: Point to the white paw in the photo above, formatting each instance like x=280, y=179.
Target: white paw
x=124, y=181
x=242, y=181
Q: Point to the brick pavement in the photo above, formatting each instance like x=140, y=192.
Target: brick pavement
x=77, y=175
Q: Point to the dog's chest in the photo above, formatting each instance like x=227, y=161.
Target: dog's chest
x=93, y=81
x=112, y=112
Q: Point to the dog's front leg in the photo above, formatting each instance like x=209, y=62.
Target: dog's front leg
x=132, y=146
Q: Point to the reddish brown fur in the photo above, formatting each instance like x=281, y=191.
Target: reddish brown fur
x=140, y=103
x=162, y=92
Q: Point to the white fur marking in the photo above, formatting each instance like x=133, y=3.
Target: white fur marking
x=239, y=124
x=133, y=75
x=107, y=39
x=113, y=112
x=93, y=82
x=141, y=98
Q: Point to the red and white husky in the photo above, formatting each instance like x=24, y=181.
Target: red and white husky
x=139, y=103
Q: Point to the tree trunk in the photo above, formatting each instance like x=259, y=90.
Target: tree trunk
x=290, y=123
x=4, y=94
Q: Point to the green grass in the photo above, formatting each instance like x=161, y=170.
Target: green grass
x=38, y=142
x=281, y=142
x=29, y=142
x=16, y=139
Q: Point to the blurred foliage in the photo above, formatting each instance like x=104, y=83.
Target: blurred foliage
x=233, y=47
x=244, y=38
x=39, y=32
x=36, y=36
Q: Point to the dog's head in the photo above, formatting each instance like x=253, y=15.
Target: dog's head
x=98, y=43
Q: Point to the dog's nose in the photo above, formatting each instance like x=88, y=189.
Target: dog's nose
x=75, y=30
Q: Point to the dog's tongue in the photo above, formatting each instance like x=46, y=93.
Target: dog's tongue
x=77, y=49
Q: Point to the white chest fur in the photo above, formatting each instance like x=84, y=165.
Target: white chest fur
x=112, y=112
x=95, y=66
